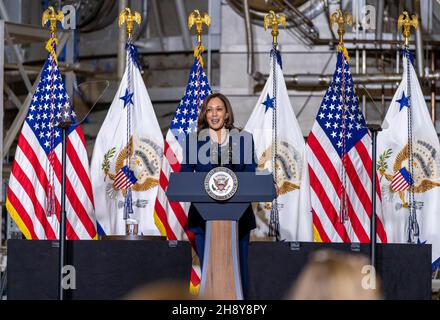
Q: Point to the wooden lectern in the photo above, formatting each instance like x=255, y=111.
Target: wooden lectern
x=221, y=267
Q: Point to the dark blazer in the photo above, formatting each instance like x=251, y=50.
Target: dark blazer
x=238, y=155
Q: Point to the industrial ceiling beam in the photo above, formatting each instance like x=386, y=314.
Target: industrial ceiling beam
x=17, y=53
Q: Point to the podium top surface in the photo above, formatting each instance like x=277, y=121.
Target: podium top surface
x=252, y=187
x=133, y=237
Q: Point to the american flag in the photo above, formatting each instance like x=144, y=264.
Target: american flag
x=171, y=217
x=338, y=155
x=401, y=180
x=125, y=178
x=36, y=170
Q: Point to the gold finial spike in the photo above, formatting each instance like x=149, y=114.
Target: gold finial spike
x=341, y=19
x=125, y=16
x=51, y=15
x=272, y=19
x=196, y=18
x=405, y=22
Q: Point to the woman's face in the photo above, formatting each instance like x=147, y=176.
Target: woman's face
x=216, y=114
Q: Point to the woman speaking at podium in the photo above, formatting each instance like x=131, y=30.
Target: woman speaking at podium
x=220, y=143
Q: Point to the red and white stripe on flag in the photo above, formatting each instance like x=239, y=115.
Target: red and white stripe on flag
x=325, y=184
x=36, y=170
x=340, y=166
x=124, y=179
x=28, y=185
x=399, y=183
x=171, y=217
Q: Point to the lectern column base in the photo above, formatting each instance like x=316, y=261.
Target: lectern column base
x=221, y=269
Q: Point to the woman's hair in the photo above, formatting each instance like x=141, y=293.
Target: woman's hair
x=333, y=275
x=229, y=122
x=161, y=290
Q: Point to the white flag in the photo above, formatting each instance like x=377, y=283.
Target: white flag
x=127, y=154
x=294, y=210
x=397, y=177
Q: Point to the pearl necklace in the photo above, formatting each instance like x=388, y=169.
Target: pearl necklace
x=214, y=136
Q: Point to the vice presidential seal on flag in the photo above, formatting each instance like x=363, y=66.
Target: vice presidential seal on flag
x=409, y=167
x=276, y=132
x=127, y=157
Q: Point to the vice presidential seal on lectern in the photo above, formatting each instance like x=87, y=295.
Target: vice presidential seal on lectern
x=221, y=183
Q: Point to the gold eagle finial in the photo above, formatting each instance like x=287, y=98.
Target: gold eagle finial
x=195, y=18
x=406, y=22
x=51, y=15
x=125, y=16
x=273, y=20
x=341, y=19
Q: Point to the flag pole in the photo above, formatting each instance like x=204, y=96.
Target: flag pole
x=195, y=18
x=374, y=129
x=64, y=125
x=341, y=19
x=273, y=20
x=405, y=22
x=51, y=16
x=129, y=18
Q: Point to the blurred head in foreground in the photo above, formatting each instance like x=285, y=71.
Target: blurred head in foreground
x=163, y=290
x=334, y=275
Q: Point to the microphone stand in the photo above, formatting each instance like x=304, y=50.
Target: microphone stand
x=64, y=126
x=374, y=129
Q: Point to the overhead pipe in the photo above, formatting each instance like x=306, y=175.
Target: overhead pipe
x=182, y=15
x=301, y=23
x=209, y=46
x=433, y=88
x=419, y=41
x=144, y=23
x=379, y=31
x=249, y=38
x=295, y=19
x=122, y=39
x=313, y=8
x=306, y=80
x=379, y=21
x=348, y=39
x=16, y=48
x=157, y=20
